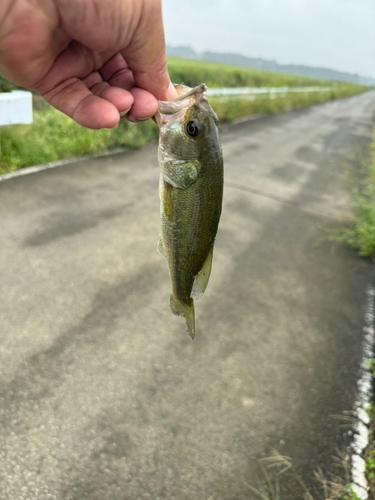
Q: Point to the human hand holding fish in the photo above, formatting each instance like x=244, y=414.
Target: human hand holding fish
x=95, y=61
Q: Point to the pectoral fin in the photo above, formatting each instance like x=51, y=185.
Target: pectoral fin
x=180, y=174
x=201, y=279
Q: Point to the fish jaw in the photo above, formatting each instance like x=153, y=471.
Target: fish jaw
x=177, y=107
x=186, y=98
x=174, y=116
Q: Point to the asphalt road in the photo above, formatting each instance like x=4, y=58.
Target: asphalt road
x=104, y=396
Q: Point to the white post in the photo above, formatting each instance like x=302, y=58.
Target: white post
x=16, y=108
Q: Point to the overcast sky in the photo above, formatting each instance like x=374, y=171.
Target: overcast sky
x=337, y=34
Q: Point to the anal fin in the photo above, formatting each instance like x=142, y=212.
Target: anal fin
x=201, y=279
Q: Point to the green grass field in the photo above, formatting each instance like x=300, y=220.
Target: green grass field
x=53, y=136
x=229, y=110
x=192, y=73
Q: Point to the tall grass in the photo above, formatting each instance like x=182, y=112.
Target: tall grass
x=237, y=107
x=192, y=73
x=54, y=136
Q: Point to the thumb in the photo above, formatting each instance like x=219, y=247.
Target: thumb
x=146, y=55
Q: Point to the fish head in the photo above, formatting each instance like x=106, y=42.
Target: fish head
x=188, y=126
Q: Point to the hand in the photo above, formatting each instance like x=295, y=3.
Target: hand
x=94, y=60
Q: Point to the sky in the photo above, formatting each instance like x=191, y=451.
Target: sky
x=337, y=34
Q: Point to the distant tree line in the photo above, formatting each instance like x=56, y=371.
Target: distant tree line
x=270, y=65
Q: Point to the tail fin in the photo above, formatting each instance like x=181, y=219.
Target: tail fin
x=186, y=311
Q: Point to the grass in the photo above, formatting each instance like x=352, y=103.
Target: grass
x=237, y=107
x=53, y=136
x=276, y=467
x=192, y=73
x=370, y=465
x=369, y=454
x=6, y=86
x=362, y=234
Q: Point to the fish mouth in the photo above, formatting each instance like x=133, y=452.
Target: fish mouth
x=187, y=97
x=187, y=92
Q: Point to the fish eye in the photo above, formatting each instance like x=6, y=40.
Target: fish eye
x=192, y=129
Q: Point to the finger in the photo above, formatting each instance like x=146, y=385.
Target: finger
x=93, y=79
x=138, y=30
x=146, y=56
x=117, y=73
x=75, y=61
x=63, y=88
x=144, y=107
x=122, y=99
x=75, y=100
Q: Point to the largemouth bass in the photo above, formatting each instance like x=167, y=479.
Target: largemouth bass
x=191, y=192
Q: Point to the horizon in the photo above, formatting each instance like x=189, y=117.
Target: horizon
x=200, y=53
x=330, y=34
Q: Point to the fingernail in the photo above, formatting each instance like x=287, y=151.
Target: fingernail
x=124, y=113
x=137, y=120
x=171, y=92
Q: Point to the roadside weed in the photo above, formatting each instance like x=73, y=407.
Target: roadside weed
x=361, y=235
x=277, y=466
x=370, y=465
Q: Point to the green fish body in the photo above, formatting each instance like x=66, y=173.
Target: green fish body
x=191, y=192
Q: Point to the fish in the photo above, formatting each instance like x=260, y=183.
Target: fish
x=191, y=194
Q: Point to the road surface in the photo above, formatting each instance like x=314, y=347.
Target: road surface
x=104, y=396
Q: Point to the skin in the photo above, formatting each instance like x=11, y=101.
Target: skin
x=95, y=61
